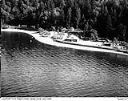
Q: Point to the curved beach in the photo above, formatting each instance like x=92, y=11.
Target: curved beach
x=49, y=41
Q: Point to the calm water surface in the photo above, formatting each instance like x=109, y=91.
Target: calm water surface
x=30, y=68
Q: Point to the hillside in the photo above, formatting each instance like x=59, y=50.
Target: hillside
x=108, y=17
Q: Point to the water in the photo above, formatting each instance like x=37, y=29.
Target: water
x=30, y=68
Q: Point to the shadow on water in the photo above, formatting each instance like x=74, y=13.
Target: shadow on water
x=30, y=68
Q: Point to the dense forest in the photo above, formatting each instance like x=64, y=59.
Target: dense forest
x=108, y=17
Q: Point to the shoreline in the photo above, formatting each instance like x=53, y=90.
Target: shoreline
x=49, y=41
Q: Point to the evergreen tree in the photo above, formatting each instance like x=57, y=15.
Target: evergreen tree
x=78, y=17
x=109, y=17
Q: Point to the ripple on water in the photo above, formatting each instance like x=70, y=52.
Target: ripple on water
x=42, y=70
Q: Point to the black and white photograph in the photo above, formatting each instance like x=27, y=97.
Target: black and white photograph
x=64, y=48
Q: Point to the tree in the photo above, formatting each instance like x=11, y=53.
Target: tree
x=78, y=17
x=105, y=15
x=69, y=17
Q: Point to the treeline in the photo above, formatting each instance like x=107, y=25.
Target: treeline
x=108, y=17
